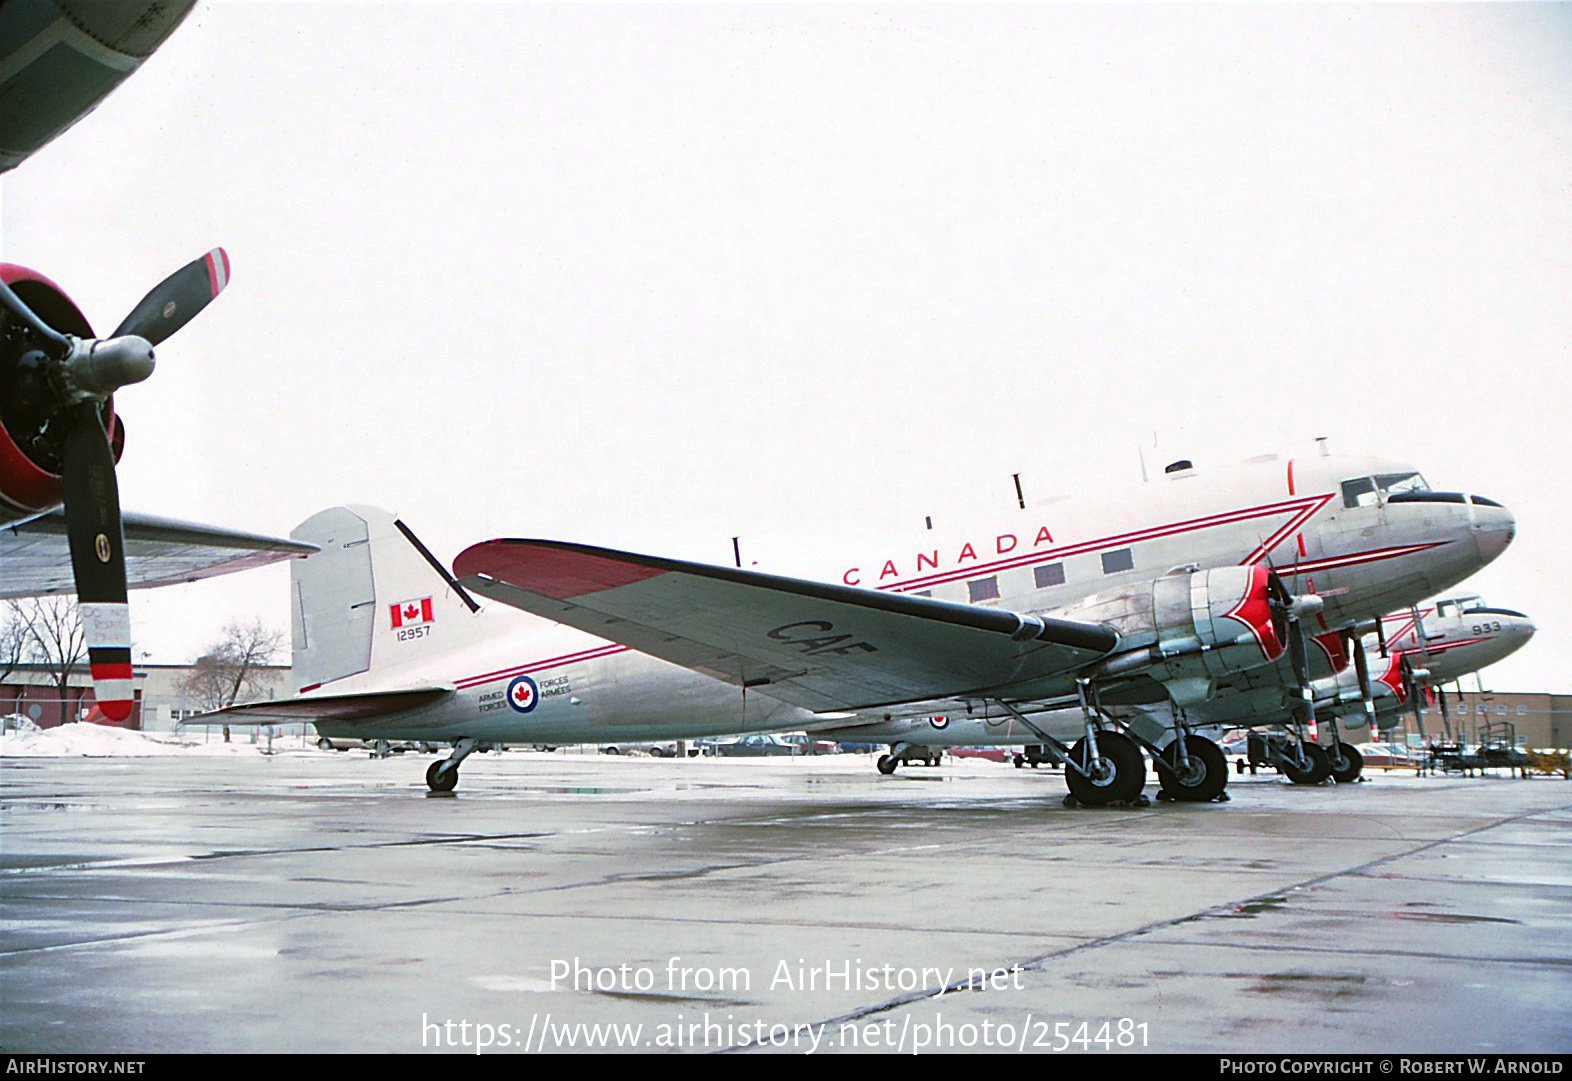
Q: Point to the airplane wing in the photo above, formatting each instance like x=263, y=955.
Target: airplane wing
x=322, y=707
x=35, y=558
x=822, y=647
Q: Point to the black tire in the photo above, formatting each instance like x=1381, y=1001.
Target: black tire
x=324, y=744
x=1125, y=780
x=1320, y=766
x=1207, y=776
x=438, y=780
x=1346, y=763
x=887, y=764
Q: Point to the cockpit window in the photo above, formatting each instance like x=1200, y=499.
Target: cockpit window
x=1397, y=483
x=1363, y=491
x=1359, y=492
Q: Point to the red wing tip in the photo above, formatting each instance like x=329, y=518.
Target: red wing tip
x=554, y=571
x=115, y=710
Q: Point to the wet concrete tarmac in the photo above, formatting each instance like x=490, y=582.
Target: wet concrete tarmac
x=317, y=902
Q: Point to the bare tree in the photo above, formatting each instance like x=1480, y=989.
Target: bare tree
x=52, y=636
x=233, y=670
x=13, y=640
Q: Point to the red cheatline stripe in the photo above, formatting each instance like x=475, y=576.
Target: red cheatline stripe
x=111, y=671
x=1375, y=555
x=536, y=666
x=1306, y=507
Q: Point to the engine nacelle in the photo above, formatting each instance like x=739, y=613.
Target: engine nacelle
x=1190, y=627
x=29, y=452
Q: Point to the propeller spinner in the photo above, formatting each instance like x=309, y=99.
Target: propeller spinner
x=59, y=388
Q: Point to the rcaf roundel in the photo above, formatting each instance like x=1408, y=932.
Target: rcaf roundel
x=523, y=695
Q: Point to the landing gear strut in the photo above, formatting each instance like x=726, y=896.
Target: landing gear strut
x=907, y=752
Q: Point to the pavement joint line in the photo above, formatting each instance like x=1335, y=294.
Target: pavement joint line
x=1036, y=963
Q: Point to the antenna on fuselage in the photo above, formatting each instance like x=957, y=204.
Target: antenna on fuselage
x=1020, y=499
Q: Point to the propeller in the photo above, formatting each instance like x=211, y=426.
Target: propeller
x=1286, y=610
x=1356, y=646
x=66, y=383
x=1412, y=680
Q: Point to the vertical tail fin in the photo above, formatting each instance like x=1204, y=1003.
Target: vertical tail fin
x=373, y=598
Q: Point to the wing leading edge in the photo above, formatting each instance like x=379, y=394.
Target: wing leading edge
x=818, y=646
x=35, y=558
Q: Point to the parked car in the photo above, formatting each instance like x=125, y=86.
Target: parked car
x=992, y=754
x=756, y=746
x=1389, y=756
x=654, y=750
x=806, y=744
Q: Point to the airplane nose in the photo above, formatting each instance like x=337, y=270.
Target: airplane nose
x=1494, y=527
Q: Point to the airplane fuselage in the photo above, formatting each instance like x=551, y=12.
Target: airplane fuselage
x=1363, y=534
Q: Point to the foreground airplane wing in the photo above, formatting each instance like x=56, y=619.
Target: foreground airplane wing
x=822, y=647
x=35, y=557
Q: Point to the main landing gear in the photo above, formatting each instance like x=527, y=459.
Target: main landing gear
x=1192, y=769
x=1302, y=761
x=1105, y=766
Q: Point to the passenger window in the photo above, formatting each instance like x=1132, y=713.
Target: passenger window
x=984, y=589
x=1049, y=576
x=1121, y=560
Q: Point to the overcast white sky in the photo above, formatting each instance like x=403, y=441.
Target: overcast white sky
x=653, y=276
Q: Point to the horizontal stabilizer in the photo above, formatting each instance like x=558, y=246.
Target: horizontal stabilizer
x=324, y=707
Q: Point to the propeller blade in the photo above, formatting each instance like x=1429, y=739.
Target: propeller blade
x=177, y=299
x=1362, y=670
x=30, y=319
x=93, y=528
x=1411, y=686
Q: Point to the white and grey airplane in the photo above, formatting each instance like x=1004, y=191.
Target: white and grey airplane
x=1160, y=594
x=1420, y=649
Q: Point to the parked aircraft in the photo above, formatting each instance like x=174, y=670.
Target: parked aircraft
x=59, y=434
x=1160, y=594
x=60, y=58
x=60, y=438
x=1420, y=649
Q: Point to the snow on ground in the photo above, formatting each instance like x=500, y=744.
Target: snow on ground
x=24, y=739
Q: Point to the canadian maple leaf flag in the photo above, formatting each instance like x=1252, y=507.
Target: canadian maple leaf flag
x=410, y=613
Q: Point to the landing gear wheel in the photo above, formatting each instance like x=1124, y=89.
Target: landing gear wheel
x=439, y=780
x=1203, y=780
x=887, y=764
x=1346, y=763
x=1120, y=778
x=1320, y=766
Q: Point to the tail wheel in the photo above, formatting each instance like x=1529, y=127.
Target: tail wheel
x=1205, y=776
x=1346, y=763
x=1320, y=766
x=887, y=764
x=1119, y=778
x=440, y=780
